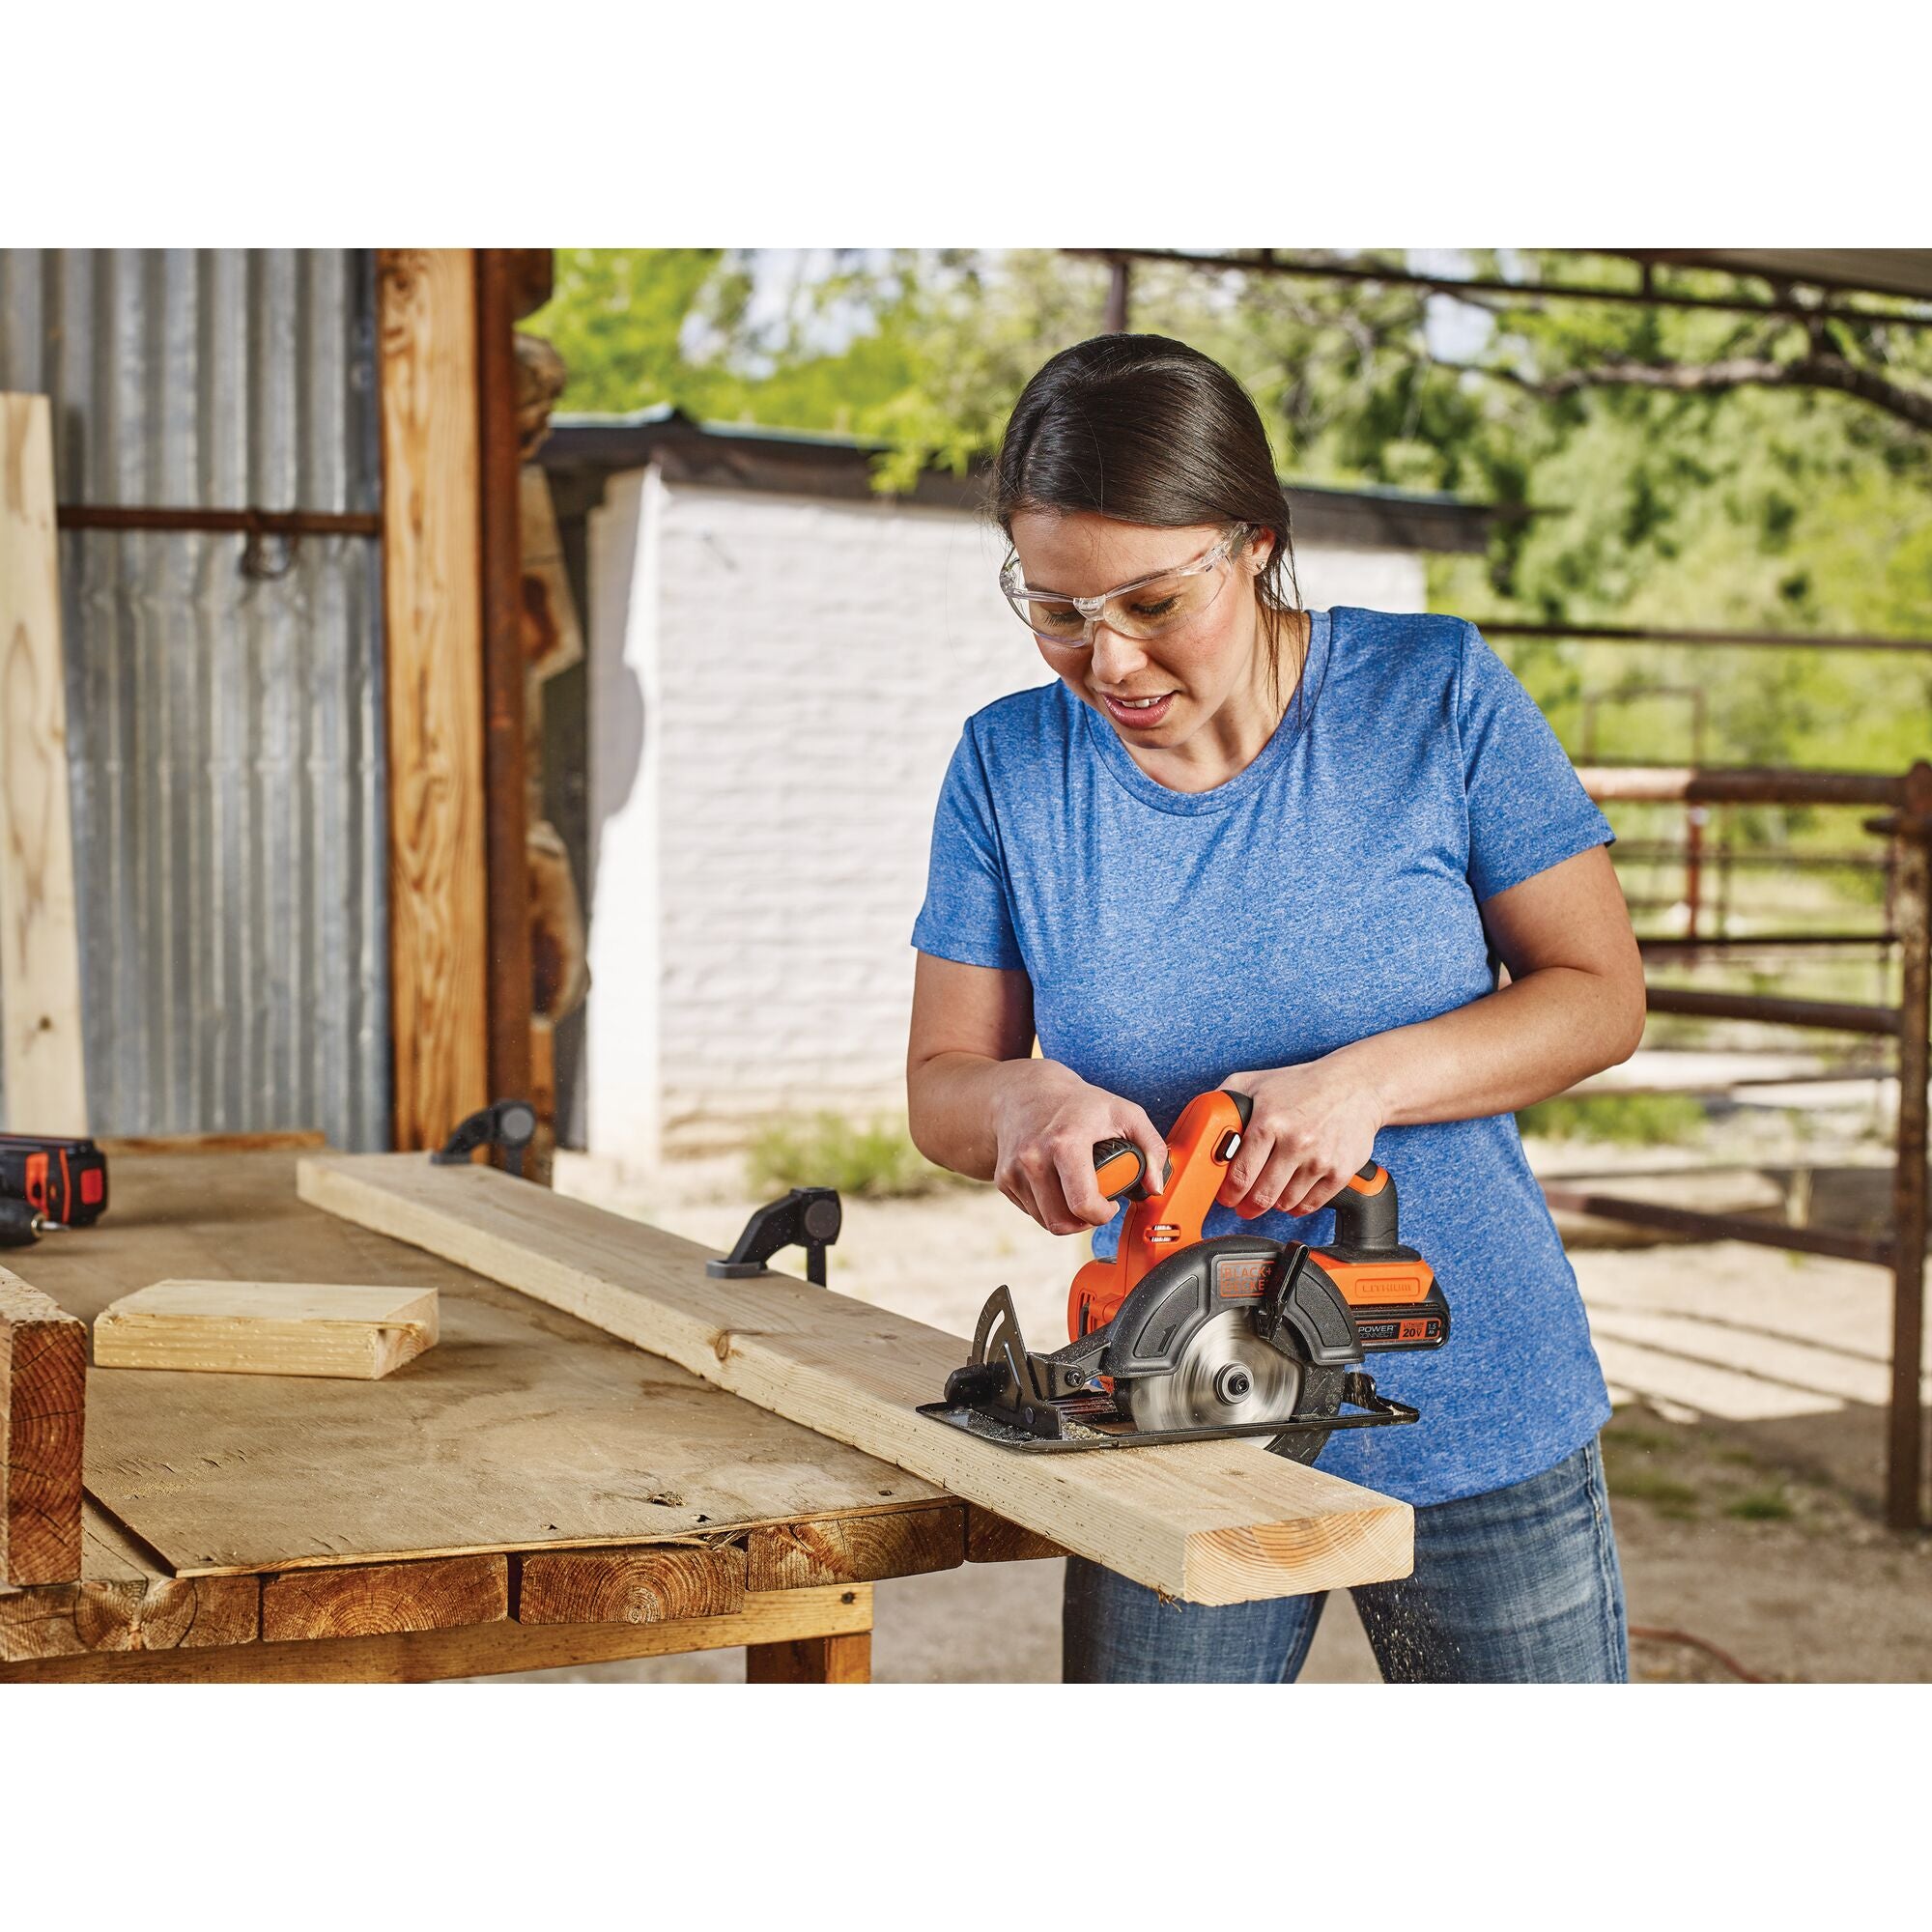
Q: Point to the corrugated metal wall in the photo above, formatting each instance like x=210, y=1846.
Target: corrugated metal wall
x=225, y=731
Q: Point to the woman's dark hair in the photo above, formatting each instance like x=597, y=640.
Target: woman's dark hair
x=1148, y=431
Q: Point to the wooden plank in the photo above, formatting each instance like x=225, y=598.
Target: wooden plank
x=260, y=1143
x=379, y=1599
x=631, y=1586
x=43, y=1405
x=522, y=1429
x=419, y=1657
x=1210, y=1522
x=122, y=1603
x=991, y=1539
x=432, y=646
x=267, y=1328
x=811, y=1660
x=43, y=1078
x=855, y=1549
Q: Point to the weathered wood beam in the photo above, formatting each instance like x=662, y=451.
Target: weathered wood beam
x=811, y=1660
x=856, y=1548
x=122, y=1603
x=43, y=1078
x=439, y=938
x=1211, y=1522
x=418, y=1657
x=383, y=1598
x=991, y=1539
x=630, y=1586
x=43, y=1405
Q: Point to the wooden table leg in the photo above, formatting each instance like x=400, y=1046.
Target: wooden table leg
x=811, y=1660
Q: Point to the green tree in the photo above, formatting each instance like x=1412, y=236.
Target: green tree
x=1666, y=466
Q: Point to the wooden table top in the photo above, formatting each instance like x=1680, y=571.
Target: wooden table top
x=523, y=1430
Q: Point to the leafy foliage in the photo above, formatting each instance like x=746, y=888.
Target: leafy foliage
x=1759, y=509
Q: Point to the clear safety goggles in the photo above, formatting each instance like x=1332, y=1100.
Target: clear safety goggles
x=1149, y=607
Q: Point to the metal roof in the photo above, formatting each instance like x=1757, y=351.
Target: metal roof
x=1888, y=271
x=808, y=464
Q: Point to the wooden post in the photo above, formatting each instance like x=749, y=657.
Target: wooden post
x=41, y=1065
x=811, y=1660
x=1905, y=1423
x=505, y=700
x=42, y=1396
x=439, y=901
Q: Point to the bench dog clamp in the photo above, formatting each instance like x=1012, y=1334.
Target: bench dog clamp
x=511, y=1125
x=807, y=1217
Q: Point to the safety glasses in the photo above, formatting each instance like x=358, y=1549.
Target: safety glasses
x=1150, y=607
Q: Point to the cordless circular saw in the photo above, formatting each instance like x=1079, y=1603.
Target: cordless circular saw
x=1182, y=1339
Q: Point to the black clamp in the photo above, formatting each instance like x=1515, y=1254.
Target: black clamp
x=807, y=1217
x=511, y=1125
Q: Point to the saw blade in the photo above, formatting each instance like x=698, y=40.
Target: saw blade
x=1227, y=1373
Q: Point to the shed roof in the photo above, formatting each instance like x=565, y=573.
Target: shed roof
x=1889, y=272
x=803, y=462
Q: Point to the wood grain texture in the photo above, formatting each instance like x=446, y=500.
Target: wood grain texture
x=991, y=1539
x=631, y=1586
x=855, y=1549
x=811, y=1660
x=267, y=1328
x=42, y=1074
x=210, y=1143
x=522, y=1429
x=421, y=1656
x=121, y=1603
x=1211, y=1522
x=381, y=1599
x=434, y=651
x=43, y=1405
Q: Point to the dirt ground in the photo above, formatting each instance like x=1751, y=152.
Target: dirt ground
x=1745, y=1456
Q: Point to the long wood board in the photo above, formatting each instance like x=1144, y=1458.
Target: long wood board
x=41, y=1063
x=1212, y=1522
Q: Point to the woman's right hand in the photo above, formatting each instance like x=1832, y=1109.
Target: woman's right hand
x=1046, y=1121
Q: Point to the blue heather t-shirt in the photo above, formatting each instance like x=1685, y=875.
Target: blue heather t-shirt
x=1327, y=892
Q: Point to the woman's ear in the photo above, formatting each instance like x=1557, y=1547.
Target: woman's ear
x=1259, y=547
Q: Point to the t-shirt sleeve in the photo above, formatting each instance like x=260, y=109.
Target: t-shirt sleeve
x=1527, y=808
x=966, y=916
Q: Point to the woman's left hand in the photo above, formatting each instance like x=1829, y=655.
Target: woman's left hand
x=1312, y=1127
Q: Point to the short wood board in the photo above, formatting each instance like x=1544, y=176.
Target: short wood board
x=267, y=1328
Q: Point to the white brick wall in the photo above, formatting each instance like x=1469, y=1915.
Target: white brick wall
x=803, y=668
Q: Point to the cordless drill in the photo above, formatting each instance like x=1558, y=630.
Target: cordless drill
x=46, y=1180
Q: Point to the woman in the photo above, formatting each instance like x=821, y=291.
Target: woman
x=1240, y=844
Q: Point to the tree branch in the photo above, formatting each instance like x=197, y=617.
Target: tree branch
x=1815, y=371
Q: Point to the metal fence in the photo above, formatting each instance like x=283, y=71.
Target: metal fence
x=1906, y=821
x=224, y=676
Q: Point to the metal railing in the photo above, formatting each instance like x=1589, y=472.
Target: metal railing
x=1905, y=802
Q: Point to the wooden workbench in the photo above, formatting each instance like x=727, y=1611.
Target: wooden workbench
x=528, y=1493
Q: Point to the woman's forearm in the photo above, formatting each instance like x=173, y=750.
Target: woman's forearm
x=950, y=1111
x=1534, y=1037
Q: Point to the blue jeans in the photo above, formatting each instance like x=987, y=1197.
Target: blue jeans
x=1519, y=1586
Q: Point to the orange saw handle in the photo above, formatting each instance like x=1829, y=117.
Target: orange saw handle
x=1204, y=1140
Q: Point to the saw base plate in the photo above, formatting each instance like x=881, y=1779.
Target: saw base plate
x=1376, y=1412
